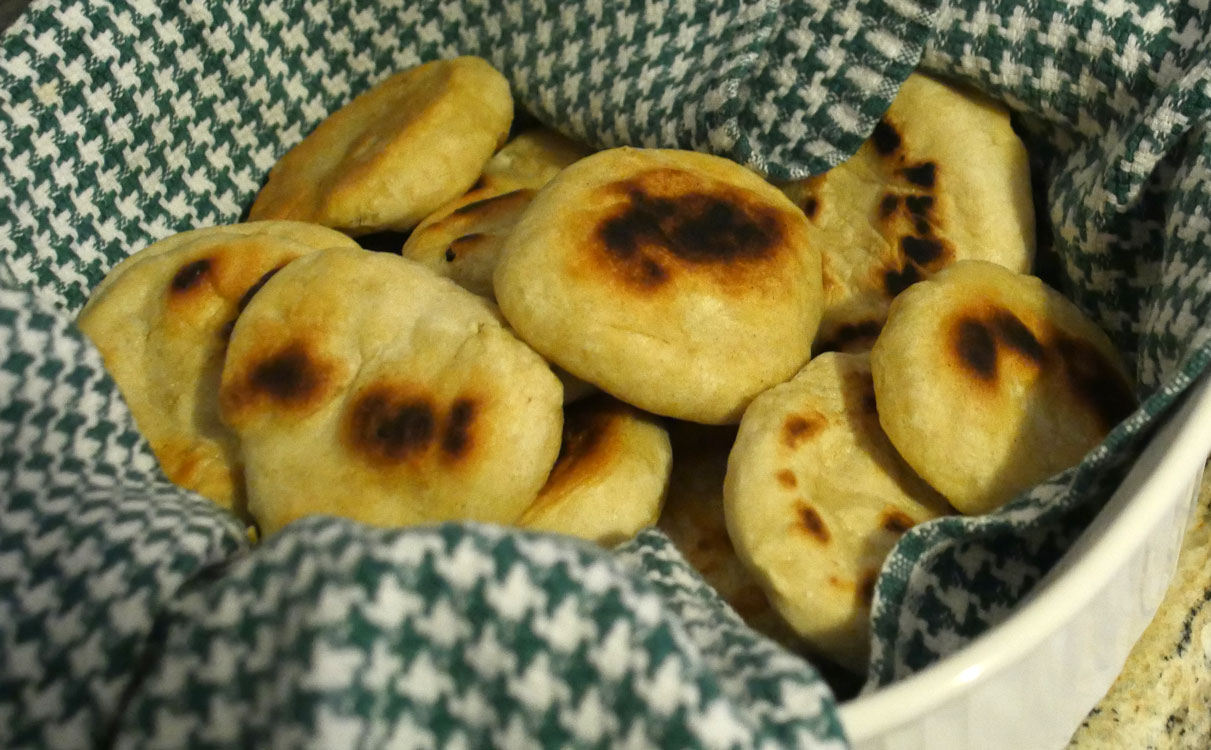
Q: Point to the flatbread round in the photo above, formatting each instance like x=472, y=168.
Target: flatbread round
x=815, y=498
x=395, y=153
x=990, y=381
x=943, y=178
x=362, y=385
x=609, y=481
x=306, y=233
x=693, y=520
x=462, y=240
x=161, y=319
x=679, y=282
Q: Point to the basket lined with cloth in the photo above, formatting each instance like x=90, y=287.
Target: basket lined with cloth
x=136, y=614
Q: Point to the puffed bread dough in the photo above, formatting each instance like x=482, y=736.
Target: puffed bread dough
x=462, y=240
x=364, y=386
x=396, y=153
x=609, y=481
x=815, y=498
x=943, y=178
x=678, y=282
x=160, y=319
x=989, y=382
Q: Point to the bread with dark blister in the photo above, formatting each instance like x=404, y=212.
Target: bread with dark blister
x=362, y=385
x=609, y=481
x=816, y=496
x=678, y=282
x=161, y=319
x=943, y=178
x=989, y=381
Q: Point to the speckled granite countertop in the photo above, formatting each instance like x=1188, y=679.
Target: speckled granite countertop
x=1162, y=698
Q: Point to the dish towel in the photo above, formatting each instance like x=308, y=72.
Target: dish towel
x=134, y=614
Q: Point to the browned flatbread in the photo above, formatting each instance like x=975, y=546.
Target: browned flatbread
x=397, y=152
x=943, y=178
x=610, y=478
x=989, y=381
x=362, y=385
x=693, y=519
x=463, y=239
x=678, y=282
x=161, y=319
x=816, y=497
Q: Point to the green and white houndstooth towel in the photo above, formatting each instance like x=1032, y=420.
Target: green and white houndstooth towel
x=134, y=614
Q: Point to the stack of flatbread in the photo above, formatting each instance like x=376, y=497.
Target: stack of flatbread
x=838, y=359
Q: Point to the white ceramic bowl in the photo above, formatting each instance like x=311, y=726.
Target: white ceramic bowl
x=1028, y=683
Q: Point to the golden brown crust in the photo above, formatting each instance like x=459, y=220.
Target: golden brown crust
x=161, y=320
x=943, y=177
x=590, y=441
x=988, y=382
x=812, y=513
x=420, y=409
x=610, y=478
x=395, y=153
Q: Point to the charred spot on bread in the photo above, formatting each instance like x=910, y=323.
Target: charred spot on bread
x=1091, y=377
x=696, y=227
x=922, y=175
x=923, y=251
x=888, y=205
x=811, y=523
x=190, y=275
x=811, y=206
x=919, y=205
x=798, y=428
x=286, y=376
x=1013, y=333
x=668, y=218
x=388, y=426
x=976, y=347
x=456, y=439
x=896, y=280
x=885, y=138
x=896, y=521
x=389, y=423
x=1095, y=381
x=290, y=379
x=388, y=429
